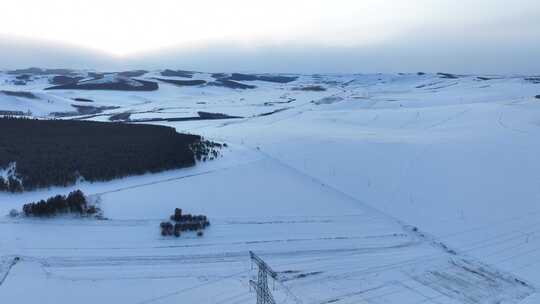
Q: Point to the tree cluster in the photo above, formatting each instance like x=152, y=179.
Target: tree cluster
x=39, y=71
x=231, y=84
x=447, y=75
x=121, y=84
x=268, y=78
x=133, y=73
x=206, y=150
x=74, y=202
x=59, y=152
x=535, y=79
x=62, y=79
x=312, y=88
x=182, y=82
x=179, y=73
x=11, y=184
x=184, y=222
x=23, y=94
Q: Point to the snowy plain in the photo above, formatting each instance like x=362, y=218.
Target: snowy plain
x=382, y=189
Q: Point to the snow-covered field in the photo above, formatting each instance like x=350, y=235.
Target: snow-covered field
x=382, y=189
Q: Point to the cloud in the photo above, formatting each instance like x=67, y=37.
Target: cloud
x=18, y=52
x=428, y=52
x=477, y=36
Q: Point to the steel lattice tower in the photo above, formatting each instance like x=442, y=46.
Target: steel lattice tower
x=264, y=296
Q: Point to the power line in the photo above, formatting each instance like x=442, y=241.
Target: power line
x=180, y=291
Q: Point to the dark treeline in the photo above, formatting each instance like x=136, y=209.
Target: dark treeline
x=179, y=73
x=23, y=94
x=534, y=79
x=39, y=71
x=202, y=116
x=313, y=88
x=61, y=79
x=118, y=85
x=75, y=202
x=194, y=82
x=59, y=152
x=268, y=78
x=254, y=77
x=231, y=84
x=447, y=76
x=133, y=73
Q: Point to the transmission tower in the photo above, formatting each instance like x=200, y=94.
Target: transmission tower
x=264, y=296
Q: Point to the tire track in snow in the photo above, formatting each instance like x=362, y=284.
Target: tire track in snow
x=156, y=182
x=230, y=257
x=253, y=242
x=412, y=121
x=453, y=117
x=507, y=127
x=445, y=250
x=4, y=275
x=167, y=180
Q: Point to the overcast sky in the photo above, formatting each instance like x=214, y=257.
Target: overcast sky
x=484, y=36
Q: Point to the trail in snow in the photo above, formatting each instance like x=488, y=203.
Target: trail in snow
x=5, y=267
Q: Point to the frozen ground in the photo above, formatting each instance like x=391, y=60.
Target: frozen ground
x=328, y=192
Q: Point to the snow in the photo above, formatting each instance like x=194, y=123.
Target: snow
x=9, y=171
x=44, y=104
x=328, y=190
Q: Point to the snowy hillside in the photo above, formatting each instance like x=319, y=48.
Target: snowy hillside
x=379, y=188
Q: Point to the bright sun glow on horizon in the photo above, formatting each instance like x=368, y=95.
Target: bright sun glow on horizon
x=127, y=27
